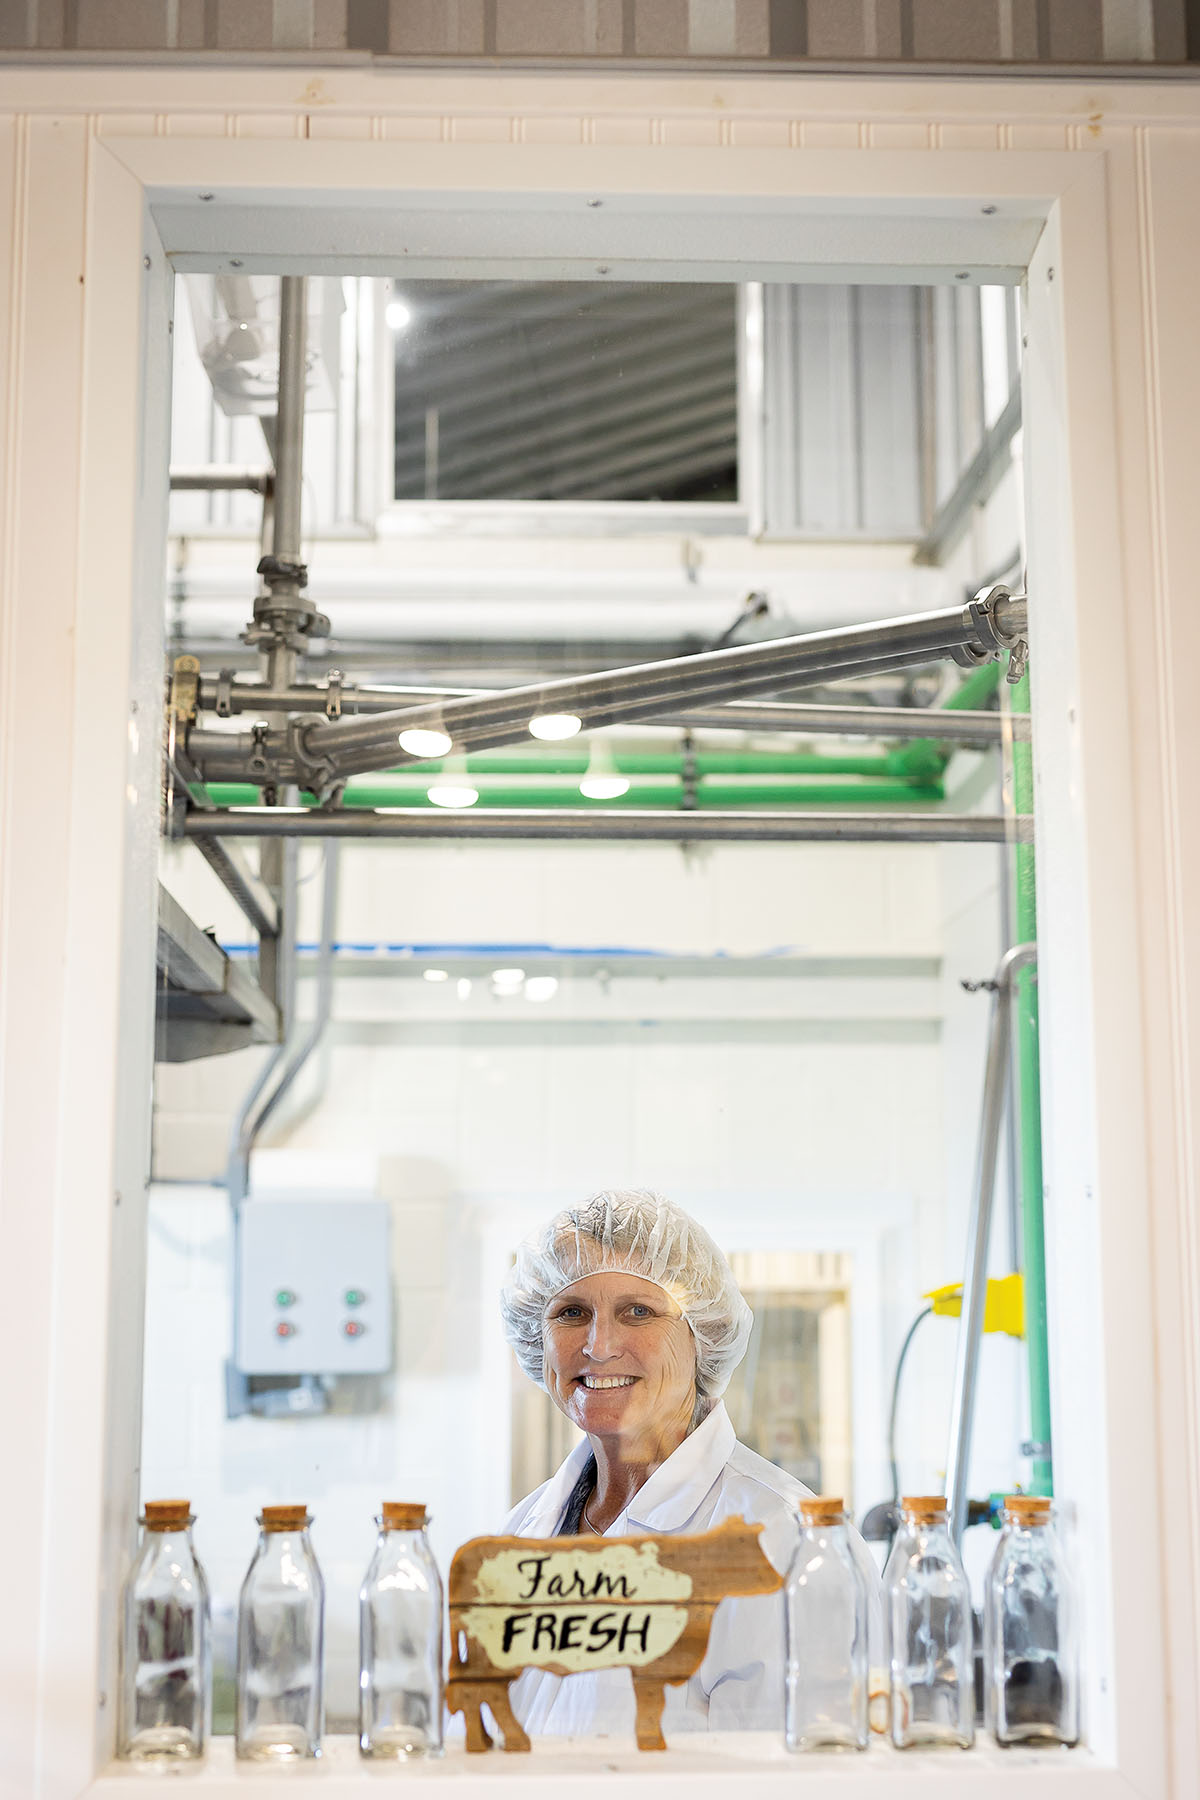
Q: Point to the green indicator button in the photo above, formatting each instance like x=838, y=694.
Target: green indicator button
x=354, y=1296
x=284, y=1297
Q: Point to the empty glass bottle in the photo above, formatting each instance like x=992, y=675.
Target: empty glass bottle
x=166, y=1675
x=1030, y=1651
x=826, y=1695
x=400, y=1640
x=281, y=1622
x=932, y=1631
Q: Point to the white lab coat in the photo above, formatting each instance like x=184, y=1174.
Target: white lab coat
x=739, y=1686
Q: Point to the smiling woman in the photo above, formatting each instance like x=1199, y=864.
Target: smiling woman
x=627, y=1313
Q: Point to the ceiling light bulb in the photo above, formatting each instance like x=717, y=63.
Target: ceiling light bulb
x=437, y=975
x=602, y=781
x=449, y=793
x=553, y=727
x=541, y=987
x=603, y=787
x=425, y=743
x=398, y=315
x=508, y=978
x=453, y=787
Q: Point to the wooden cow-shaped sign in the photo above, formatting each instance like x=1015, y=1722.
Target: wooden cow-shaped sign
x=568, y=1604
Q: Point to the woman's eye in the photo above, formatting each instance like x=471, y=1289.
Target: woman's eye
x=640, y=1312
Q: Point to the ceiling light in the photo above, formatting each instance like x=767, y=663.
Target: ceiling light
x=508, y=980
x=451, y=793
x=541, y=987
x=398, y=315
x=437, y=975
x=553, y=727
x=602, y=781
x=462, y=988
x=425, y=743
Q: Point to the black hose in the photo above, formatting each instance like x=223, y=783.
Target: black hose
x=923, y=1314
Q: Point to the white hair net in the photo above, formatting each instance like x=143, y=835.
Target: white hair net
x=638, y=1233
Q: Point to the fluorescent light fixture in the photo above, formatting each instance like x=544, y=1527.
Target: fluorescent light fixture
x=425, y=743
x=602, y=782
x=462, y=987
x=553, y=727
x=452, y=787
x=541, y=987
x=398, y=315
x=508, y=980
x=437, y=974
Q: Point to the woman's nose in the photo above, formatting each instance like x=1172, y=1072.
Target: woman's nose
x=603, y=1339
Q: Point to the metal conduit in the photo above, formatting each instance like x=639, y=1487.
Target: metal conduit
x=739, y=715
x=599, y=826
x=979, y=1230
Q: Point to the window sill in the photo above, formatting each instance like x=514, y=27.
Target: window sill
x=702, y=1766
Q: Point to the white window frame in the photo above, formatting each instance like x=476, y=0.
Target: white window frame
x=107, y=170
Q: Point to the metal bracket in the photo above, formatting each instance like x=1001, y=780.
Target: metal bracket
x=185, y=689
x=333, y=694
x=687, y=772
x=314, y=772
x=278, y=568
x=258, y=762
x=993, y=640
x=223, y=706
x=1018, y=661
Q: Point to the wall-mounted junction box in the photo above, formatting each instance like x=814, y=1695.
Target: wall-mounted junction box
x=314, y=1287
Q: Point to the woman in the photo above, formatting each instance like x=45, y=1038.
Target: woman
x=627, y=1313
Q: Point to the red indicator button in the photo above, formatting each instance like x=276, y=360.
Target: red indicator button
x=353, y=1328
x=285, y=1329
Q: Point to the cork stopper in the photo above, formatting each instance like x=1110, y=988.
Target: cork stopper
x=823, y=1509
x=925, y=1509
x=1027, y=1509
x=167, y=1515
x=284, y=1518
x=403, y=1515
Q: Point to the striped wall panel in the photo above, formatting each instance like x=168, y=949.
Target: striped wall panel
x=991, y=32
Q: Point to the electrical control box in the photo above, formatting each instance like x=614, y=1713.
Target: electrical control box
x=313, y=1287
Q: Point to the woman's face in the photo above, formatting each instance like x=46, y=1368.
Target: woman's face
x=620, y=1358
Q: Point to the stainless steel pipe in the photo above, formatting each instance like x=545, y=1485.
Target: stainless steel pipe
x=289, y=417
x=979, y=1231
x=221, y=480
x=596, y=825
x=336, y=749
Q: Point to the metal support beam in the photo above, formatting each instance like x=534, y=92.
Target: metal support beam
x=221, y=481
x=248, y=889
x=979, y=1230
x=975, y=486
x=597, y=825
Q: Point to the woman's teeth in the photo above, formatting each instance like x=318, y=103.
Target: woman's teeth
x=607, y=1381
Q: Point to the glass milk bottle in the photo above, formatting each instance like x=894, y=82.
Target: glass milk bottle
x=826, y=1694
x=400, y=1640
x=1029, y=1635
x=281, y=1620
x=166, y=1676
x=932, y=1631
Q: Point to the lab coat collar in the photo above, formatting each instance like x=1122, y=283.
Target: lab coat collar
x=678, y=1486
x=663, y=1503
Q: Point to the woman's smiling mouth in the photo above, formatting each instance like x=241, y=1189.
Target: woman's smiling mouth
x=591, y=1382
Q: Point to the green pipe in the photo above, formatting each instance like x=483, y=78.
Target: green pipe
x=925, y=759
x=708, y=794
x=1029, y=1114
x=669, y=762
